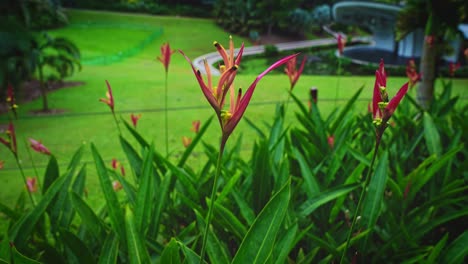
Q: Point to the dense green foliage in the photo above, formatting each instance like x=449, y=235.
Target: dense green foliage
x=292, y=200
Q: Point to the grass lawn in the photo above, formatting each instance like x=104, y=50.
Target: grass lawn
x=138, y=85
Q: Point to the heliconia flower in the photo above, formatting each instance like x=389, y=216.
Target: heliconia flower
x=2, y=163
x=430, y=40
x=10, y=143
x=117, y=186
x=166, y=53
x=31, y=184
x=313, y=97
x=110, y=99
x=11, y=100
x=196, y=126
x=293, y=72
x=331, y=141
x=412, y=74
x=382, y=108
x=38, y=147
x=228, y=119
x=466, y=53
x=135, y=119
x=341, y=42
x=186, y=141
x=453, y=67
x=115, y=165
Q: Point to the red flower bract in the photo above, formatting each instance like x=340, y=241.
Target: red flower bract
x=110, y=98
x=228, y=119
x=38, y=147
x=135, y=119
x=10, y=143
x=166, y=53
x=382, y=108
x=341, y=42
x=292, y=72
x=411, y=73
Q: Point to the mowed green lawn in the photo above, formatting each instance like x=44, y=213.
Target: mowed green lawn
x=138, y=86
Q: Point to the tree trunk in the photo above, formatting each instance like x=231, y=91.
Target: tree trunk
x=425, y=91
x=43, y=89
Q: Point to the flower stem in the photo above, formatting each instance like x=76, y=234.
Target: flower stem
x=361, y=198
x=117, y=123
x=25, y=181
x=338, y=80
x=166, y=117
x=212, y=199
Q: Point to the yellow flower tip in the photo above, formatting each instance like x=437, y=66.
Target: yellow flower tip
x=222, y=68
x=382, y=88
x=382, y=105
x=225, y=116
x=8, y=99
x=215, y=43
x=377, y=122
x=230, y=36
x=235, y=67
x=15, y=106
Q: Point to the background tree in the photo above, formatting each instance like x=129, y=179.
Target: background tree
x=55, y=59
x=440, y=18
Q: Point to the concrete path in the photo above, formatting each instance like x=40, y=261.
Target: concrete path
x=214, y=57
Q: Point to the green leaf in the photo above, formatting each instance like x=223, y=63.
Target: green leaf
x=262, y=177
x=52, y=173
x=312, y=186
x=259, y=240
x=88, y=217
x=284, y=245
x=5, y=252
x=22, y=230
x=190, y=256
x=132, y=156
x=135, y=246
x=421, y=176
x=78, y=187
x=435, y=252
x=145, y=193
x=228, y=220
x=431, y=135
x=160, y=203
x=19, y=258
x=324, y=197
x=375, y=193
x=457, y=250
x=78, y=247
x=115, y=212
x=345, y=111
x=135, y=134
x=109, y=250
x=170, y=254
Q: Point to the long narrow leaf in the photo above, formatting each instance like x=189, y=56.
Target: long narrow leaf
x=324, y=197
x=431, y=135
x=259, y=240
x=136, y=249
x=22, y=230
x=145, y=193
x=375, y=193
x=115, y=212
x=109, y=250
x=78, y=247
x=217, y=251
x=457, y=250
x=88, y=217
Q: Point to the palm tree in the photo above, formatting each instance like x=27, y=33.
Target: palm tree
x=439, y=18
x=59, y=56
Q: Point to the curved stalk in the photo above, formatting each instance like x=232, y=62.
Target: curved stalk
x=212, y=199
x=361, y=198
